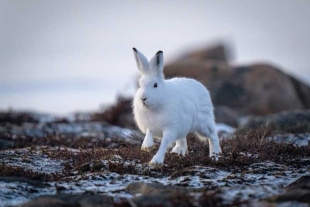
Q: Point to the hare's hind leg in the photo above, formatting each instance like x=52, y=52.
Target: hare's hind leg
x=180, y=147
x=209, y=131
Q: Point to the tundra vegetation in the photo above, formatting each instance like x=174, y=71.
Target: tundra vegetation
x=95, y=159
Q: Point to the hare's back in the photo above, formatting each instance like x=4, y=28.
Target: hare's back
x=189, y=88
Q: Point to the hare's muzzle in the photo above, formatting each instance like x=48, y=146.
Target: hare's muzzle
x=143, y=100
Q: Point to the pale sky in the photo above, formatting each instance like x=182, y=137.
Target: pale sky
x=63, y=56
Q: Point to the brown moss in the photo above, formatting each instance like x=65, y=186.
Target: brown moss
x=238, y=153
x=21, y=141
x=16, y=171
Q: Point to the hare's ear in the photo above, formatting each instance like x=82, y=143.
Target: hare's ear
x=142, y=62
x=157, y=63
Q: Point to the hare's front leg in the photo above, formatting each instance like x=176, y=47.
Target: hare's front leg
x=168, y=138
x=180, y=147
x=148, y=141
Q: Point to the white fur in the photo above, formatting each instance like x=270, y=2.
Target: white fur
x=171, y=110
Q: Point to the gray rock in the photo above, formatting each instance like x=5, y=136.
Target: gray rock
x=296, y=122
x=298, y=191
x=155, y=194
x=161, y=201
x=302, y=90
x=34, y=183
x=65, y=200
x=152, y=189
x=299, y=195
x=215, y=53
x=301, y=183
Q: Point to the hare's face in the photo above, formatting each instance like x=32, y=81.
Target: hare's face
x=151, y=92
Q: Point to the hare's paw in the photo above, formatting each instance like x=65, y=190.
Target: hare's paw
x=147, y=145
x=148, y=142
x=215, y=149
x=147, y=149
x=216, y=157
x=156, y=165
x=180, y=150
x=157, y=161
x=216, y=154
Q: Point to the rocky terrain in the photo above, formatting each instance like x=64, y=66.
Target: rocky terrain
x=53, y=163
x=95, y=159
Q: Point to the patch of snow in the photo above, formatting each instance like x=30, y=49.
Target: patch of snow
x=243, y=193
x=33, y=161
x=258, y=181
x=16, y=193
x=296, y=139
x=80, y=129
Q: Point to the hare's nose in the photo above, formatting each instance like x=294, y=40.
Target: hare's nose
x=143, y=99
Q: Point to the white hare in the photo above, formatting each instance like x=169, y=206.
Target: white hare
x=170, y=109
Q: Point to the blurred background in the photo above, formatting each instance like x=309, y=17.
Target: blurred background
x=66, y=56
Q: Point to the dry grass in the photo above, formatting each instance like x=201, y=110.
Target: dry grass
x=16, y=171
x=238, y=153
x=71, y=141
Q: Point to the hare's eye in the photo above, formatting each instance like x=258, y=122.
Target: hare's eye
x=155, y=85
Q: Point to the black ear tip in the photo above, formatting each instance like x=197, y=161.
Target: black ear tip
x=134, y=49
x=159, y=52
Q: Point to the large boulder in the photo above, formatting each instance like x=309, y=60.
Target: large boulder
x=295, y=122
x=256, y=89
x=298, y=191
x=217, y=52
x=303, y=91
x=156, y=194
